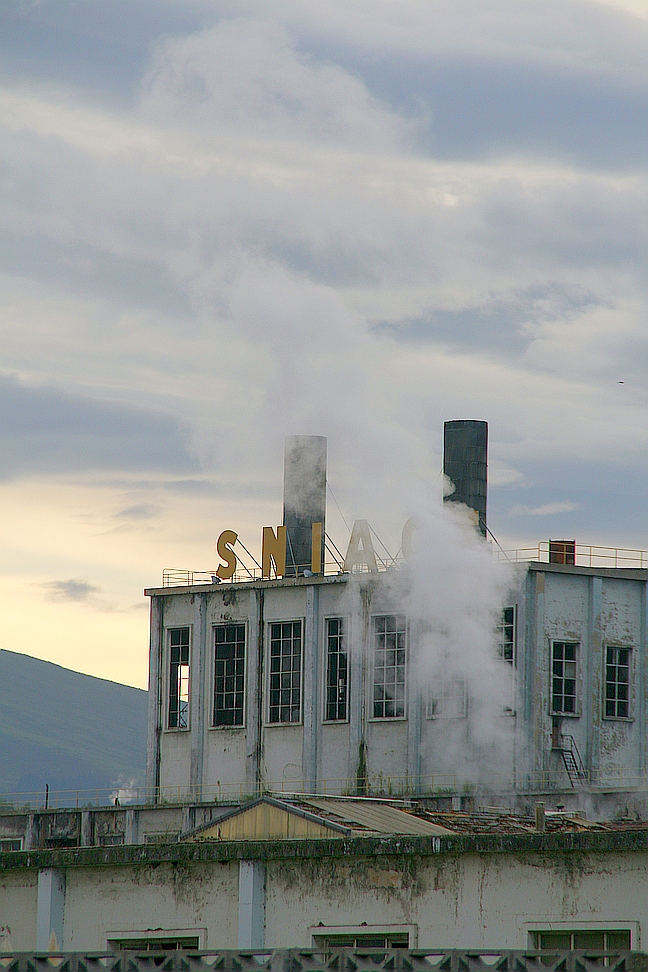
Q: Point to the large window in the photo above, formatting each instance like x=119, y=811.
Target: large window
x=229, y=674
x=617, y=682
x=337, y=671
x=389, y=637
x=506, y=635
x=564, y=661
x=448, y=699
x=285, y=671
x=178, y=678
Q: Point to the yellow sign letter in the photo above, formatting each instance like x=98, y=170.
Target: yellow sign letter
x=273, y=548
x=224, y=551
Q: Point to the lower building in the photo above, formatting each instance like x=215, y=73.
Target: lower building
x=324, y=873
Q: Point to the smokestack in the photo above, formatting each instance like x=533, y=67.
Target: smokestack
x=465, y=463
x=304, y=500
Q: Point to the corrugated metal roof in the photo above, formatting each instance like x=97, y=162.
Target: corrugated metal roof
x=379, y=817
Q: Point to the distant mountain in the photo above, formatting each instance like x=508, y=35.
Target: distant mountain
x=69, y=730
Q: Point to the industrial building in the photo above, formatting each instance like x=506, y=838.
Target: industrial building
x=291, y=678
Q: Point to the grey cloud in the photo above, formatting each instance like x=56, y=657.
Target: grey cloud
x=506, y=323
x=43, y=430
x=70, y=590
x=87, y=269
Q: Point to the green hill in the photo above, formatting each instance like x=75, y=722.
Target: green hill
x=68, y=730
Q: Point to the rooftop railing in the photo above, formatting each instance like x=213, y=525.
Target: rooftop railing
x=585, y=555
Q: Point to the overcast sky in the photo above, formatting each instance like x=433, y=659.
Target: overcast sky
x=225, y=222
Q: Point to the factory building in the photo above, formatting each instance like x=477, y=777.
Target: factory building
x=292, y=678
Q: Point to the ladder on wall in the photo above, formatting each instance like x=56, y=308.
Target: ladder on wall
x=572, y=760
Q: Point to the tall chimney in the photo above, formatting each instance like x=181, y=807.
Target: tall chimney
x=304, y=499
x=465, y=463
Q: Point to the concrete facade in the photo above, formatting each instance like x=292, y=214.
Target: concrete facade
x=491, y=892
x=590, y=608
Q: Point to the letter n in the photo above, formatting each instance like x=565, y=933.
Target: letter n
x=273, y=548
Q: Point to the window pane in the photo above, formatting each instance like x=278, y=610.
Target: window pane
x=285, y=672
x=179, y=676
x=229, y=662
x=564, y=677
x=336, y=671
x=617, y=682
x=389, y=633
x=554, y=939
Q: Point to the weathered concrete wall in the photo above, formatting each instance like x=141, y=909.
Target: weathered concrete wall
x=454, y=896
x=103, y=901
x=18, y=910
x=461, y=901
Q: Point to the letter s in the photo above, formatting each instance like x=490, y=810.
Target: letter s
x=224, y=551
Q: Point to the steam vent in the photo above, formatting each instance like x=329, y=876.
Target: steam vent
x=465, y=463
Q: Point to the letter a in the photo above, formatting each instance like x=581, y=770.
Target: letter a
x=360, y=551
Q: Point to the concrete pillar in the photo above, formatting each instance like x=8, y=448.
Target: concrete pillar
x=198, y=692
x=154, y=700
x=50, y=908
x=86, y=829
x=131, y=826
x=30, y=832
x=254, y=694
x=311, y=688
x=592, y=681
x=414, y=715
x=642, y=681
x=251, y=904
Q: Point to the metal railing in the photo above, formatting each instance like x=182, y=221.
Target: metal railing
x=178, y=577
x=586, y=555
x=380, y=787
x=328, y=960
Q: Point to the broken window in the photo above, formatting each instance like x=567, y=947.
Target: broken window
x=448, y=699
x=337, y=677
x=617, y=682
x=179, y=678
x=285, y=671
x=564, y=658
x=389, y=638
x=506, y=635
x=229, y=674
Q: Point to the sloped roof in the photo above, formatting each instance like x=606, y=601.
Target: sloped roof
x=269, y=819
x=374, y=816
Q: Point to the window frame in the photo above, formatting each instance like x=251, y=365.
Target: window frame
x=167, y=680
x=536, y=928
x=372, y=668
x=441, y=716
x=152, y=937
x=630, y=716
x=500, y=631
x=344, y=621
x=577, y=678
x=268, y=677
x=318, y=933
x=212, y=682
